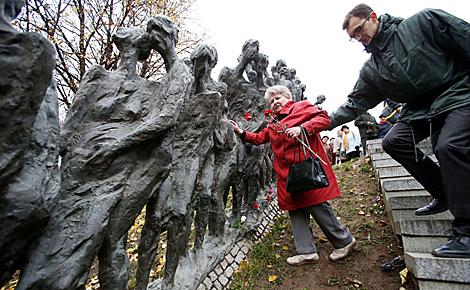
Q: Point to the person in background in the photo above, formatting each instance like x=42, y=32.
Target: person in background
x=290, y=118
x=391, y=111
x=333, y=152
x=368, y=129
x=384, y=126
x=423, y=61
x=328, y=148
x=350, y=145
x=337, y=147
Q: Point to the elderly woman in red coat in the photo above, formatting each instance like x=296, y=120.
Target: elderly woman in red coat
x=297, y=116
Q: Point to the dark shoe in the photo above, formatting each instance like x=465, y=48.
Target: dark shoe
x=436, y=206
x=458, y=246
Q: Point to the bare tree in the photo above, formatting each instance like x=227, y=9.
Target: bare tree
x=81, y=31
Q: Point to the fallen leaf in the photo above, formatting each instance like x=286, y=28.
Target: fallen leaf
x=161, y=261
x=357, y=282
x=383, y=222
x=272, y=278
x=285, y=248
x=159, y=268
x=243, y=265
x=404, y=275
x=361, y=212
x=94, y=280
x=277, y=256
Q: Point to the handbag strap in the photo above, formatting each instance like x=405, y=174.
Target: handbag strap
x=297, y=148
x=298, y=145
x=306, y=145
x=304, y=139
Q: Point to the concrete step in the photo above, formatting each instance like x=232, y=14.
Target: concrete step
x=400, y=184
x=379, y=156
x=409, y=215
x=437, y=285
x=392, y=171
x=389, y=162
x=377, y=148
x=424, y=266
x=375, y=141
x=406, y=199
x=422, y=244
x=380, y=160
x=406, y=223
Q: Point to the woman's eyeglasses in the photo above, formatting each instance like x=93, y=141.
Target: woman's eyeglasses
x=358, y=29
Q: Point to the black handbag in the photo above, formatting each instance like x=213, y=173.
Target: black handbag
x=308, y=174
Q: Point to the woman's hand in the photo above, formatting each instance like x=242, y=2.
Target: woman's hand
x=235, y=127
x=293, y=132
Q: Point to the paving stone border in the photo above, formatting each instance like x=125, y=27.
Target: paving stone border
x=221, y=276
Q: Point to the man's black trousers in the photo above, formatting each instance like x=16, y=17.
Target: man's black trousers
x=450, y=180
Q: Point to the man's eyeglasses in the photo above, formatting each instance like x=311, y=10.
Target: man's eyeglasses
x=358, y=30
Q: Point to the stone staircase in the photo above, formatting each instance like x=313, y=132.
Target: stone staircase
x=419, y=235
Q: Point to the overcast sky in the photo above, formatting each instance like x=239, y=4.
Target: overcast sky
x=306, y=34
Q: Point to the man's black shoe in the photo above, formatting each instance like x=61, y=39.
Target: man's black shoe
x=436, y=206
x=458, y=246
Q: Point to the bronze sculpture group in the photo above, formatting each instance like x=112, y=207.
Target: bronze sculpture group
x=127, y=143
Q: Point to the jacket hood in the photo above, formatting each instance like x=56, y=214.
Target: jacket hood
x=388, y=25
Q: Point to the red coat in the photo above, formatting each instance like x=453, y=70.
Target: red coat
x=314, y=121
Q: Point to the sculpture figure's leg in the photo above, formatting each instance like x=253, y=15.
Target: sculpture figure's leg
x=148, y=245
x=114, y=264
x=176, y=243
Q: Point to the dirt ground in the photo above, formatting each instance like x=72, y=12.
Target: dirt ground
x=361, y=209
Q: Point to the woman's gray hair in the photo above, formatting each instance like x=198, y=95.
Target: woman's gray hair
x=277, y=90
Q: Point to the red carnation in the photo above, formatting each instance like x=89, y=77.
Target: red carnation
x=268, y=198
x=248, y=116
x=255, y=205
x=268, y=113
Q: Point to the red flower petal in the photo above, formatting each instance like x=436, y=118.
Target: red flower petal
x=255, y=205
x=268, y=113
x=248, y=116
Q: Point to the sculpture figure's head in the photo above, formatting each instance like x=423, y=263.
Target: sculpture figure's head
x=163, y=34
x=132, y=40
x=250, y=48
x=204, y=58
x=9, y=10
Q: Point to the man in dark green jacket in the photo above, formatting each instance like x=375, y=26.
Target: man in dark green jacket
x=423, y=61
